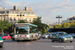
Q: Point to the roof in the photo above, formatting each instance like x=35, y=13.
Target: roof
x=68, y=30
x=25, y=24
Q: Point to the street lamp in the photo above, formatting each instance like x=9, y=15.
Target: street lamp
x=59, y=18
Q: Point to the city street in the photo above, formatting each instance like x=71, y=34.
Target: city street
x=42, y=44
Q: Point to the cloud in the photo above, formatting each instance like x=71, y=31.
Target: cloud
x=45, y=9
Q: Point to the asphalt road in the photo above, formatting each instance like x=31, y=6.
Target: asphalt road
x=42, y=44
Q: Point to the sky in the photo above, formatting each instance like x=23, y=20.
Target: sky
x=47, y=9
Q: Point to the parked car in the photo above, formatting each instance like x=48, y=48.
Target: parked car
x=39, y=35
x=45, y=36
x=1, y=42
x=49, y=36
x=6, y=37
x=72, y=34
x=61, y=37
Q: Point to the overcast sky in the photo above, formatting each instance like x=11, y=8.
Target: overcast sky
x=48, y=9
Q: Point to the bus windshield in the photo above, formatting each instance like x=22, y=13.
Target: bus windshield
x=23, y=30
x=33, y=29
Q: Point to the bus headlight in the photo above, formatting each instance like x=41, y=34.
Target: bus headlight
x=28, y=35
x=1, y=41
x=71, y=37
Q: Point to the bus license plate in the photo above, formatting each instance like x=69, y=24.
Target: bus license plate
x=22, y=35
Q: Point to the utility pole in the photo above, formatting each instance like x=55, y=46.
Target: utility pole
x=59, y=18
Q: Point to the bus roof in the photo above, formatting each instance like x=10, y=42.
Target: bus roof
x=25, y=24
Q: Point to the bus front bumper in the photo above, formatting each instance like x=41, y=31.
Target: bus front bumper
x=22, y=38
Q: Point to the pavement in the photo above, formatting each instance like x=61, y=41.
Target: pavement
x=42, y=44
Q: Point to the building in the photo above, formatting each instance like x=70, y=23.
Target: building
x=14, y=15
x=69, y=20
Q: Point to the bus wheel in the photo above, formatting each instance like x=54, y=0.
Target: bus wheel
x=17, y=40
x=13, y=39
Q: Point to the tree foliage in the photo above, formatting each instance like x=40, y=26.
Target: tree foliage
x=22, y=21
x=65, y=25
x=41, y=26
x=4, y=25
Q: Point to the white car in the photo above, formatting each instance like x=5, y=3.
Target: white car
x=39, y=35
x=72, y=34
x=45, y=36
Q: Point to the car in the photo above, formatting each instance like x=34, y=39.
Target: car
x=49, y=36
x=6, y=37
x=39, y=35
x=72, y=34
x=61, y=37
x=45, y=36
x=1, y=42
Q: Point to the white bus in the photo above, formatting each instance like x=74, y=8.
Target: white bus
x=25, y=31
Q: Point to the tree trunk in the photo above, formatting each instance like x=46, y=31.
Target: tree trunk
x=2, y=32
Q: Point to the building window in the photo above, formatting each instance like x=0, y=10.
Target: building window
x=14, y=19
x=24, y=12
x=7, y=11
x=10, y=19
x=17, y=15
x=2, y=12
x=28, y=13
x=30, y=19
x=26, y=19
x=23, y=15
x=32, y=13
x=4, y=18
x=20, y=15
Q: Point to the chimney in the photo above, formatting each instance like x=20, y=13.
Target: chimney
x=0, y=8
x=14, y=8
x=4, y=8
x=30, y=9
x=26, y=8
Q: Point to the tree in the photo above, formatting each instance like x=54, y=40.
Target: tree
x=4, y=25
x=41, y=26
x=22, y=21
x=57, y=26
x=63, y=25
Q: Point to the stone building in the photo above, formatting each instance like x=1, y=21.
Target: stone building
x=14, y=15
x=69, y=20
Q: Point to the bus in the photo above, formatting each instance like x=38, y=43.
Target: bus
x=68, y=30
x=25, y=31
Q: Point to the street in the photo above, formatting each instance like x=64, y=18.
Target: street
x=42, y=44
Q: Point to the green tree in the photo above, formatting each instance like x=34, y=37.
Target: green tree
x=41, y=26
x=57, y=26
x=22, y=21
x=64, y=25
x=67, y=24
x=72, y=25
x=4, y=25
x=73, y=21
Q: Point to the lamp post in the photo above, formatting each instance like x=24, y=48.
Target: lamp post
x=59, y=18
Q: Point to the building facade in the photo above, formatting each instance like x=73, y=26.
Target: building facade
x=69, y=20
x=14, y=15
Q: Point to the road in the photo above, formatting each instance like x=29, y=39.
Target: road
x=42, y=44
